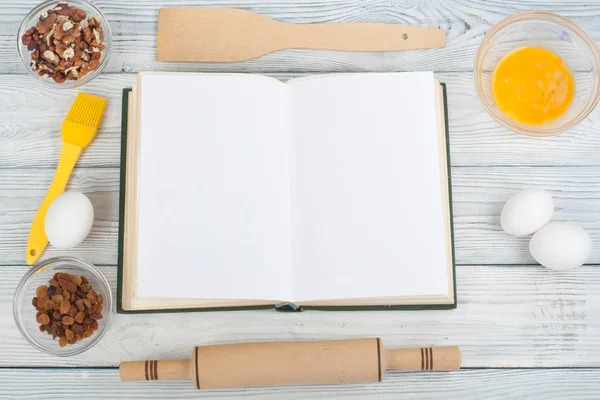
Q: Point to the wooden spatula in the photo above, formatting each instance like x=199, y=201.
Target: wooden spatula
x=227, y=35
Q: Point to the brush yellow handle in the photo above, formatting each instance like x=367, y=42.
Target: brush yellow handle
x=37, y=242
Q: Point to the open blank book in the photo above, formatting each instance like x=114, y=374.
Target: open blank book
x=241, y=190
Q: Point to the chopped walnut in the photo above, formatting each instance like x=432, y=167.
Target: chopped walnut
x=67, y=25
x=68, y=53
x=60, y=49
x=44, y=25
x=51, y=56
x=80, y=16
x=49, y=36
x=65, y=43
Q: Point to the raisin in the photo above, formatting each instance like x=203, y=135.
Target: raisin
x=67, y=285
x=43, y=319
x=77, y=329
x=42, y=291
x=57, y=298
x=92, y=298
x=75, y=279
x=41, y=303
x=49, y=305
x=53, y=331
x=65, y=307
x=69, y=308
x=80, y=317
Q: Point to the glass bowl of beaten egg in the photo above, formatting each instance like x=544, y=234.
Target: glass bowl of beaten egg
x=537, y=73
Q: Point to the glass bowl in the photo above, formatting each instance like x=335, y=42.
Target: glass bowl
x=557, y=34
x=25, y=313
x=31, y=20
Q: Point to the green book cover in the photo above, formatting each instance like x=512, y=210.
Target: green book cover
x=279, y=307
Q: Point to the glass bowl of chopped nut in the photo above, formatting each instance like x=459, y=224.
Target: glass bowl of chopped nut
x=62, y=306
x=64, y=43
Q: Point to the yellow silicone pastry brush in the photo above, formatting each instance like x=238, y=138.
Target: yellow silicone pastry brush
x=78, y=132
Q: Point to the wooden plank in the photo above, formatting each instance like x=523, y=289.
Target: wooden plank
x=523, y=316
x=134, y=25
x=26, y=140
x=559, y=384
x=479, y=195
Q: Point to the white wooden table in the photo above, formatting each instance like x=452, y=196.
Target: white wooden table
x=525, y=332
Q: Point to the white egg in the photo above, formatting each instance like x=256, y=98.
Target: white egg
x=527, y=211
x=561, y=245
x=69, y=220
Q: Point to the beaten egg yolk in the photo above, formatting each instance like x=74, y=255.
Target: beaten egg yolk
x=532, y=85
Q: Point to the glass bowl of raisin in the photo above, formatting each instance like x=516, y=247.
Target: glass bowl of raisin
x=62, y=306
x=64, y=43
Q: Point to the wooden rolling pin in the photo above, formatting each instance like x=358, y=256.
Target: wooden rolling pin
x=291, y=363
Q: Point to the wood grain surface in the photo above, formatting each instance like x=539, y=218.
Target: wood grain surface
x=478, y=197
x=525, y=332
x=475, y=138
x=507, y=316
x=134, y=24
x=492, y=384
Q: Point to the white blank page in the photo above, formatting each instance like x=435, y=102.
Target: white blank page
x=367, y=208
x=214, y=218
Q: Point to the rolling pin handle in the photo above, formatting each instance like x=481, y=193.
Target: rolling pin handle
x=155, y=370
x=446, y=358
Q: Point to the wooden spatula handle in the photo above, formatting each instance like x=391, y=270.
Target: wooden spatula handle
x=360, y=37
